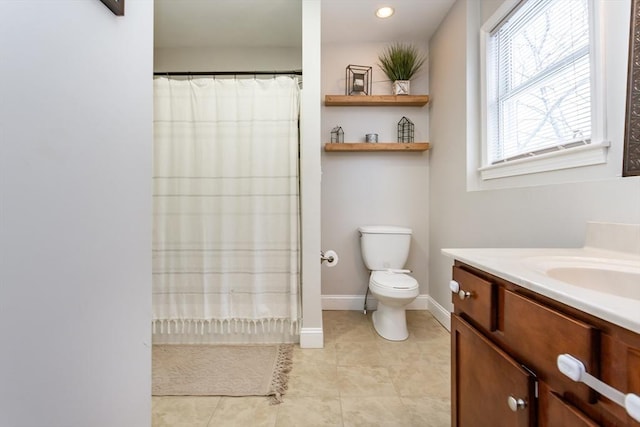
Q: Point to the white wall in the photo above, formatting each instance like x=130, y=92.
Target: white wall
x=552, y=215
x=75, y=218
x=227, y=59
x=369, y=188
x=311, y=334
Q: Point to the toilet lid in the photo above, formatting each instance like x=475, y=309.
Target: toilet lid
x=391, y=280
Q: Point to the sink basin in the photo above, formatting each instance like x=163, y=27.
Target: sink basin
x=622, y=283
x=611, y=276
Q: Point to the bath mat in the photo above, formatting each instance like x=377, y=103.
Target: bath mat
x=221, y=370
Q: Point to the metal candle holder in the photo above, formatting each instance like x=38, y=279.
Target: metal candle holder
x=337, y=135
x=405, y=130
x=358, y=80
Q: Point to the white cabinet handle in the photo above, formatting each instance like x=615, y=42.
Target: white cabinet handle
x=456, y=289
x=516, y=404
x=574, y=369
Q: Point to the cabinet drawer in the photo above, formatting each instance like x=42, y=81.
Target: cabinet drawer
x=554, y=411
x=537, y=334
x=480, y=306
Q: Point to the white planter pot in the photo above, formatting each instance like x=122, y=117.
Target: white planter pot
x=401, y=87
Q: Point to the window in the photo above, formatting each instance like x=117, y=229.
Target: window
x=540, y=90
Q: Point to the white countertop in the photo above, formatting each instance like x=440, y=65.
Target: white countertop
x=518, y=266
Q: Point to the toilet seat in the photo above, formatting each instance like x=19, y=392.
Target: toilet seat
x=387, y=279
x=393, y=284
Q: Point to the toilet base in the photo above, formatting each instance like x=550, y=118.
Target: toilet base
x=390, y=322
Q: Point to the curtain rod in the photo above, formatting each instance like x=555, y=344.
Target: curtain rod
x=227, y=73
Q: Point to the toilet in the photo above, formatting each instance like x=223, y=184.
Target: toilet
x=385, y=250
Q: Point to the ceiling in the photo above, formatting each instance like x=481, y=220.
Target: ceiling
x=355, y=20
x=277, y=23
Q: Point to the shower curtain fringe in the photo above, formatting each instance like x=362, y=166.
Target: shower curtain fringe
x=217, y=326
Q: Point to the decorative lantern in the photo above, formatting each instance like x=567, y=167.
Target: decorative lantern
x=358, y=80
x=337, y=135
x=405, y=130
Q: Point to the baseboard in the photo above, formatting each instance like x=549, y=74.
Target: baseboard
x=420, y=303
x=356, y=302
x=347, y=302
x=311, y=338
x=441, y=314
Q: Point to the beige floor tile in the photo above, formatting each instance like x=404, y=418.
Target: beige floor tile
x=358, y=379
x=358, y=354
x=309, y=412
x=428, y=412
x=398, y=352
x=314, y=355
x=426, y=330
x=330, y=317
x=329, y=337
x=182, y=411
x=365, y=381
x=418, y=316
x=347, y=326
x=436, y=353
x=353, y=332
x=313, y=380
x=417, y=379
x=387, y=411
x=243, y=412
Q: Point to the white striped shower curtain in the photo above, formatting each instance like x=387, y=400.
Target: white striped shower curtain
x=226, y=251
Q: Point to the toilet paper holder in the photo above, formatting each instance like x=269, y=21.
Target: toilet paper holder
x=324, y=257
x=330, y=256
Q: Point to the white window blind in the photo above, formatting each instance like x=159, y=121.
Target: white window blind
x=539, y=80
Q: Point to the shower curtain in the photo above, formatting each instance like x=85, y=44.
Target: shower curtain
x=226, y=210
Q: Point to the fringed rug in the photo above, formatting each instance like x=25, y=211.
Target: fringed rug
x=221, y=370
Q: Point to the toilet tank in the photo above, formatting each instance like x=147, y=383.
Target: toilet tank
x=384, y=246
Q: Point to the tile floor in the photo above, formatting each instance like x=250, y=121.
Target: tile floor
x=357, y=379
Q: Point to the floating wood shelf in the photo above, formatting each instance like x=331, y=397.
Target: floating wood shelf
x=377, y=146
x=376, y=100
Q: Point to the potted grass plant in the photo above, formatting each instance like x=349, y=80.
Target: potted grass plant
x=400, y=62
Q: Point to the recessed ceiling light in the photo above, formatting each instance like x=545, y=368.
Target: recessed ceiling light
x=384, y=12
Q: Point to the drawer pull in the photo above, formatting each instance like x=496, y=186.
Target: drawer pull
x=574, y=369
x=516, y=404
x=455, y=288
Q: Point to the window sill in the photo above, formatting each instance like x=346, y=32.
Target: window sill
x=586, y=155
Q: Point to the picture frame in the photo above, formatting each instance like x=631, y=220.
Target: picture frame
x=631, y=156
x=116, y=6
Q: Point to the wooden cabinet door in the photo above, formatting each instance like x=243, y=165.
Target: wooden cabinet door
x=483, y=379
x=554, y=411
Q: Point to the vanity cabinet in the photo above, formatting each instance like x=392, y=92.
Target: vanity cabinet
x=505, y=342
